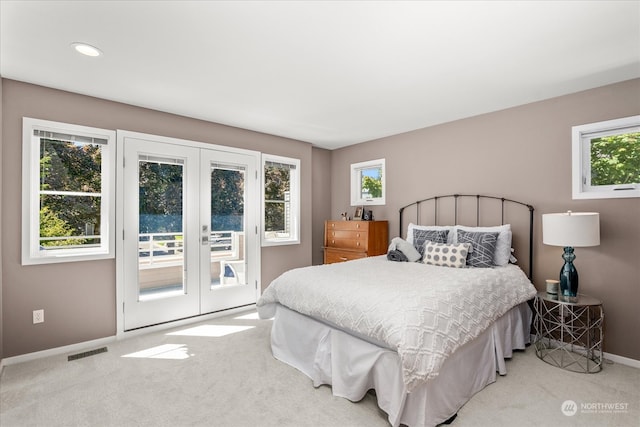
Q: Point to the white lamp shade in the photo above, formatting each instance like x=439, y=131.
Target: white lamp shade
x=571, y=229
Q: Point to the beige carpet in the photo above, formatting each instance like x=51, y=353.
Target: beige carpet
x=221, y=373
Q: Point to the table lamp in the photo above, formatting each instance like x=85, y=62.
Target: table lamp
x=569, y=230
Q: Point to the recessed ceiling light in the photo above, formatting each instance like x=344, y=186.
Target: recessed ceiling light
x=86, y=49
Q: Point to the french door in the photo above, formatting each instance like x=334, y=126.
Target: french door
x=190, y=242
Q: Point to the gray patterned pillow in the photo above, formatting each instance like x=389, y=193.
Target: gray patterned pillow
x=446, y=255
x=421, y=236
x=484, y=247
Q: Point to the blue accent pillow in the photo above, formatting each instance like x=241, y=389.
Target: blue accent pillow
x=483, y=247
x=421, y=236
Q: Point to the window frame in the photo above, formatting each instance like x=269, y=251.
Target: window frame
x=581, y=159
x=31, y=253
x=356, y=188
x=294, y=194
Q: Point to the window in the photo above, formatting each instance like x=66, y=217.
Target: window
x=367, y=183
x=281, y=200
x=68, y=179
x=606, y=159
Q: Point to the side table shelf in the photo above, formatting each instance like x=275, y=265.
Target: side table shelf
x=569, y=334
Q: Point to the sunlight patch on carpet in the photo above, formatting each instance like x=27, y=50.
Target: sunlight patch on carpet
x=250, y=316
x=165, y=351
x=211, y=330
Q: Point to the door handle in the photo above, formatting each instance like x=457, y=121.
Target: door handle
x=205, y=235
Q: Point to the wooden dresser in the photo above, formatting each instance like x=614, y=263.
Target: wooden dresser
x=347, y=240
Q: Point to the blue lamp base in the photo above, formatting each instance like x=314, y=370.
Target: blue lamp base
x=569, y=277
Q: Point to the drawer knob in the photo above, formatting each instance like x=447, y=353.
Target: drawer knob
x=333, y=242
x=343, y=258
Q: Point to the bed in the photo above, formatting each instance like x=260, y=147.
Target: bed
x=427, y=335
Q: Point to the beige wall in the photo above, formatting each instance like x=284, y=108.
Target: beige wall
x=523, y=153
x=321, y=206
x=79, y=298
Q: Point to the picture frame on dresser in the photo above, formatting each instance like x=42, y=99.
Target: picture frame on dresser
x=357, y=216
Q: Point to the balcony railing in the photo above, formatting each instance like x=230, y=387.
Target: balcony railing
x=166, y=249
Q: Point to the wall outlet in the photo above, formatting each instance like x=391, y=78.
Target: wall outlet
x=38, y=316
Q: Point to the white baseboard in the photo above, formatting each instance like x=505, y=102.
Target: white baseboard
x=73, y=348
x=622, y=360
x=101, y=342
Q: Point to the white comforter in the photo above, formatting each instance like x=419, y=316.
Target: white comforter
x=422, y=311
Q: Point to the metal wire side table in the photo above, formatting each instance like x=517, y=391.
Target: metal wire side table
x=569, y=334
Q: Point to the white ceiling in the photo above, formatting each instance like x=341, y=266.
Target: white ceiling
x=329, y=73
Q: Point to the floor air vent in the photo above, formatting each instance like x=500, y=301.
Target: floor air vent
x=87, y=354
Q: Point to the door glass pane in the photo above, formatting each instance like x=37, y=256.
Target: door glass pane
x=160, y=238
x=228, y=239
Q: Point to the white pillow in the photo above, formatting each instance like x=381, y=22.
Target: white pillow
x=413, y=226
x=503, y=245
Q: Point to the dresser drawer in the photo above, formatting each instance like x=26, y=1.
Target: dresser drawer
x=348, y=225
x=347, y=239
x=337, y=255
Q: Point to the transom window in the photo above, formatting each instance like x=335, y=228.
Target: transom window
x=67, y=192
x=606, y=159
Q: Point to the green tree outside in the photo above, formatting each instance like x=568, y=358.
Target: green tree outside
x=615, y=160
x=52, y=226
x=69, y=167
x=160, y=197
x=277, y=184
x=373, y=186
x=227, y=199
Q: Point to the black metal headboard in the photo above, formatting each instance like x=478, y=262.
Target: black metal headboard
x=459, y=207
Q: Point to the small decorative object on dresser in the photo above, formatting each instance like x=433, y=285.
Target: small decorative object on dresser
x=347, y=240
x=357, y=216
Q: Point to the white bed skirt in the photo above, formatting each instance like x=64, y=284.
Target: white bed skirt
x=353, y=366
